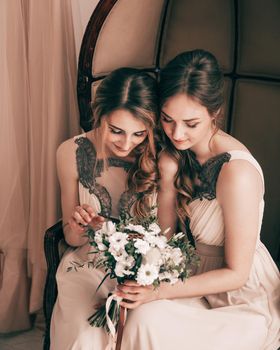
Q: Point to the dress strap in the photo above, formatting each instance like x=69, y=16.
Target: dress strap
x=243, y=155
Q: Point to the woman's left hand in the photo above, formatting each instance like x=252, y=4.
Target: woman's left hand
x=134, y=295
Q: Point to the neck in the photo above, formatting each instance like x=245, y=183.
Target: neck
x=205, y=149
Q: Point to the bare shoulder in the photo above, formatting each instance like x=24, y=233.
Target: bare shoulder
x=66, y=158
x=239, y=176
x=167, y=165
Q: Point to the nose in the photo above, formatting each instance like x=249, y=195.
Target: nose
x=125, y=143
x=178, y=133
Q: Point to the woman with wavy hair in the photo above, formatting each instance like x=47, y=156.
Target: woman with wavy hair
x=211, y=180
x=108, y=172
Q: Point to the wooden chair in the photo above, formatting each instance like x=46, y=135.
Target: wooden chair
x=52, y=238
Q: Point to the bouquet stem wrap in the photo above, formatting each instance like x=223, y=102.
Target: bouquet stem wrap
x=115, y=336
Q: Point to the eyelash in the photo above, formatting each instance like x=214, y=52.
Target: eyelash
x=119, y=132
x=170, y=121
x=192, y=126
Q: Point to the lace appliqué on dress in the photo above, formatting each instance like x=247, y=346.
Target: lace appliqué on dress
x=89, y=168
x=207, y=174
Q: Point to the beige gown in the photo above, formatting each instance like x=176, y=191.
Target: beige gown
x=244, y=319
x=105, y=190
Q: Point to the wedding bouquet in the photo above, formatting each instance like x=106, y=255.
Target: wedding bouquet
x=132, y=251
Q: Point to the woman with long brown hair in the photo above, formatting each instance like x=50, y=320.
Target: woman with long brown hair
x=211, y=180
x=109, y=172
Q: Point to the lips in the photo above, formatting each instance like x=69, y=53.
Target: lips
x=120, y=149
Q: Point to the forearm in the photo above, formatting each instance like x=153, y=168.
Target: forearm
x=212, y=282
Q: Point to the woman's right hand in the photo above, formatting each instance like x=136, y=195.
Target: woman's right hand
x=83, y=216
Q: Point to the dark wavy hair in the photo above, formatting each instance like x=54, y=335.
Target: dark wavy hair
x=135, y=91
x=198, y=75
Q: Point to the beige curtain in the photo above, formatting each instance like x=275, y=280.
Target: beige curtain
x=38, y=110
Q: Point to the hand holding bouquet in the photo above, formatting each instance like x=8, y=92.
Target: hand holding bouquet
x=130, y=251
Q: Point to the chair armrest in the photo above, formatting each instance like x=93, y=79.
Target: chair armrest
x=53, y=236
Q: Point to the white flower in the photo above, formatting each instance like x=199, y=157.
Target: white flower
x=178, y=236
x=171, y=277
x=160, y=241
x=136, y=228
x=147, y=274
x=119, y=255
x=176, y=256
x=123, y=268
x=153, y=257
x=118, y=240
x=108, y=228
x=142, y=246
x=154, y=228
x=119, y=269
x=102, y=247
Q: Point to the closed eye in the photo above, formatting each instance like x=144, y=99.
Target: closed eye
x=165, y=119
x=115, y=131
x=192, y=125
x=140, y=134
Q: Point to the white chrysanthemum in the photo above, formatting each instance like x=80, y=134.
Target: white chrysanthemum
x=171, y=277
x=154, y=228
x=129, y=261
x=166, y=253
x=147, y=274
x=136, y=228
x=160, y=241
x=150, y=238
x=118, y=240
x=176, y=256
x=142, y=246
x=119, y=255
x=153, y=257
x=123, y=269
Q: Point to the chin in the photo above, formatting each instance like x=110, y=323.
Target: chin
x=121, y=154
x=182, y=147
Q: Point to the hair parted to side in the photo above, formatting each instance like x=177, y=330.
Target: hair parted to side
x=135, y=91
x=198, y=75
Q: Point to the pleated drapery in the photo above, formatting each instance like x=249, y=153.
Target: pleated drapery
x=38, y=110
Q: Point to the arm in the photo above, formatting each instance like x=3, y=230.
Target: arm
x=239, y=192
x=73, y=214
x=167, y=215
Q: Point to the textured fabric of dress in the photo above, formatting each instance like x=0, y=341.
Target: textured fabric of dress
x=244, y=319
x=104, y=188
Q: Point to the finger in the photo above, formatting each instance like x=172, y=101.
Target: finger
x=78, y=218
x=130, y=306
x=128, y=297
x=84, y=214
x=131, y=283
x=89, y=210
x=127, y=289
x=74, y=226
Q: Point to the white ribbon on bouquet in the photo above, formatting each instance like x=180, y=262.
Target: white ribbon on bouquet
x=113, y=331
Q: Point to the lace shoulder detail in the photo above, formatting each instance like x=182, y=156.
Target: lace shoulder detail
x=86, y=161
x=207, y=175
